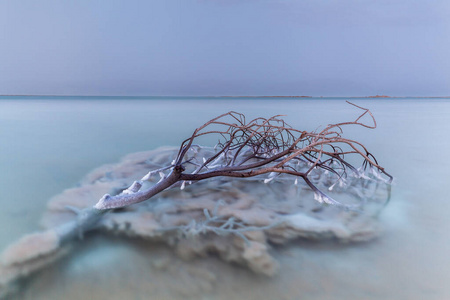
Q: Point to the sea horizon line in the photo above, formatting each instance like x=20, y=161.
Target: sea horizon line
x=219, y=96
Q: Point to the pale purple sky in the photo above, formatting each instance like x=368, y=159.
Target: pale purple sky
x=225, y=47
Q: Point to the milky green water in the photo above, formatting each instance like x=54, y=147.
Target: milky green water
x=48, y=144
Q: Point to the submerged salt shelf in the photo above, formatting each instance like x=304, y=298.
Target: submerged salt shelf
x=52, y=144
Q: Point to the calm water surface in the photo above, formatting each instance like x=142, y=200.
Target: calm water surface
x=47, y=145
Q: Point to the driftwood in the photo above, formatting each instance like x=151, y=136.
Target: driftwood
x=261, y=150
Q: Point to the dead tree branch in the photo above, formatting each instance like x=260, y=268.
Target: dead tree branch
x=257, y=147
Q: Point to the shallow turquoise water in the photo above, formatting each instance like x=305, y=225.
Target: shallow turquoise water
x=47, y=145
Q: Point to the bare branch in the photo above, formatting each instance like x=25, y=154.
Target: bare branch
x=260, y=146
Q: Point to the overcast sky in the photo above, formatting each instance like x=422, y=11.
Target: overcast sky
x=225, y=47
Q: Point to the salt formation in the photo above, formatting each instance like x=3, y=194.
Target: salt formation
x=236, y=219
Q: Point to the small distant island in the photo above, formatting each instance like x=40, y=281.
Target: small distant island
x=263, y=96
x=379, y=96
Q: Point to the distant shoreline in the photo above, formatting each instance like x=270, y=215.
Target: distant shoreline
x=209, y=96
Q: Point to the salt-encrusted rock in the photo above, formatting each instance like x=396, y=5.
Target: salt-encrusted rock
x=259, y=260
x=284, y=210
x=27, y=255
x=235, y=219
x=31, y=246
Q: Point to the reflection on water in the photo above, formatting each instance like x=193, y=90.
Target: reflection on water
x=47, y=146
